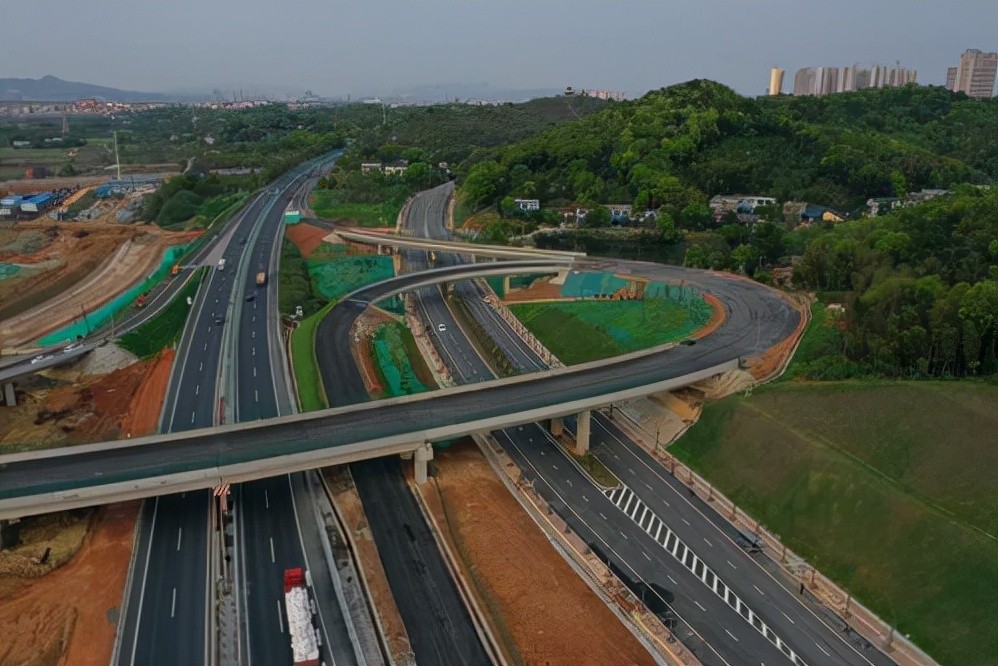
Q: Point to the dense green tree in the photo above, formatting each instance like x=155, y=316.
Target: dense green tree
x=598, y=216
x=484, y=183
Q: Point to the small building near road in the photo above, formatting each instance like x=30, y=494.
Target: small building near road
x=368, y=167
x=396, y=168
x=37, y=203
x=816, y=213
x=619, y=213
x=527, y=204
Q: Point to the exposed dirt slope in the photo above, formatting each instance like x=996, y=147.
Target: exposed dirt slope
x=539, y=603
x=305, y=237
x=76, y=265
x=68, y=617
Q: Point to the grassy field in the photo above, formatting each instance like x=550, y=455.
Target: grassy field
x=582, y=331
x=886, y=487
x=361, y=214
x=165, y=328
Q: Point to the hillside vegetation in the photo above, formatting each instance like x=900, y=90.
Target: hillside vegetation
x=426, y=137
x=678, y=146
x=919, y=285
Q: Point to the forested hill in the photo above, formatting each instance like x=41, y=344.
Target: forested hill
x=680, y=145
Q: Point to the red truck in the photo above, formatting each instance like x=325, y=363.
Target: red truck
x=299, y=609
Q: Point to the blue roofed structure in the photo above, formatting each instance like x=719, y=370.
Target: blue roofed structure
x=37, y=202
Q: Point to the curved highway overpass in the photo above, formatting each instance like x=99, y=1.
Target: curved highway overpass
x=43, y=481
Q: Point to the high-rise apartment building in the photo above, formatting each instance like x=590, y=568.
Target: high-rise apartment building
x=975, y=75
x=828, y=80
x=950, y=78
x=776, y=81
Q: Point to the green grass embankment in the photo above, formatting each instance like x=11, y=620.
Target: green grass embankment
x=590, y=330
x=361, y=214
x=166, y=327
x=310, y=393
x=887, y=487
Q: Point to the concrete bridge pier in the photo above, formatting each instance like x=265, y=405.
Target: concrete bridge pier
x=421, y=457
x=557, y=426
x=582, y=429
x=8, y=394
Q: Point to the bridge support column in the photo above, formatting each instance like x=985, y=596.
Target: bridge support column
x=421, y=457
x=9, y=533
x=505, y=285
x=557, y=426
x=582, y=428
x=8, y=394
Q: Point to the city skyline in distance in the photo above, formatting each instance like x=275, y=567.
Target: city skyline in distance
x=340, y=49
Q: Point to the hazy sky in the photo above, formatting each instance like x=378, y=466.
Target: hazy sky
x=339, y=47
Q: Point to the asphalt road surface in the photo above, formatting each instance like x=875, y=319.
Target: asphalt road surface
x=276, y=520
x=166, y=611
x=688, y=563
x=744, y=333
x=439, y=626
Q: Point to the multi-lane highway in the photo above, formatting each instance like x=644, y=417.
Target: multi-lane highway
x=731, y=609
x=439, y=626
x=276, y=528
x=166, y=610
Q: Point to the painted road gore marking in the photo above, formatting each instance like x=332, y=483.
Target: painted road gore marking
x=627, y=501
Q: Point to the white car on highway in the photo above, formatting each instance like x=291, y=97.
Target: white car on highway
x=38, y=358
x=442, y=328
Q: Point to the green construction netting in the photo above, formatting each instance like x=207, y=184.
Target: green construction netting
x=8, y=270
x=586, y=284
x=94, y=320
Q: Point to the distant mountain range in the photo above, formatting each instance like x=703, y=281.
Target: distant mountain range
x=53, y=89
x=447, y=92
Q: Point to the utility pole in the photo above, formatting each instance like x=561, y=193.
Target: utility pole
x=117, y=161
